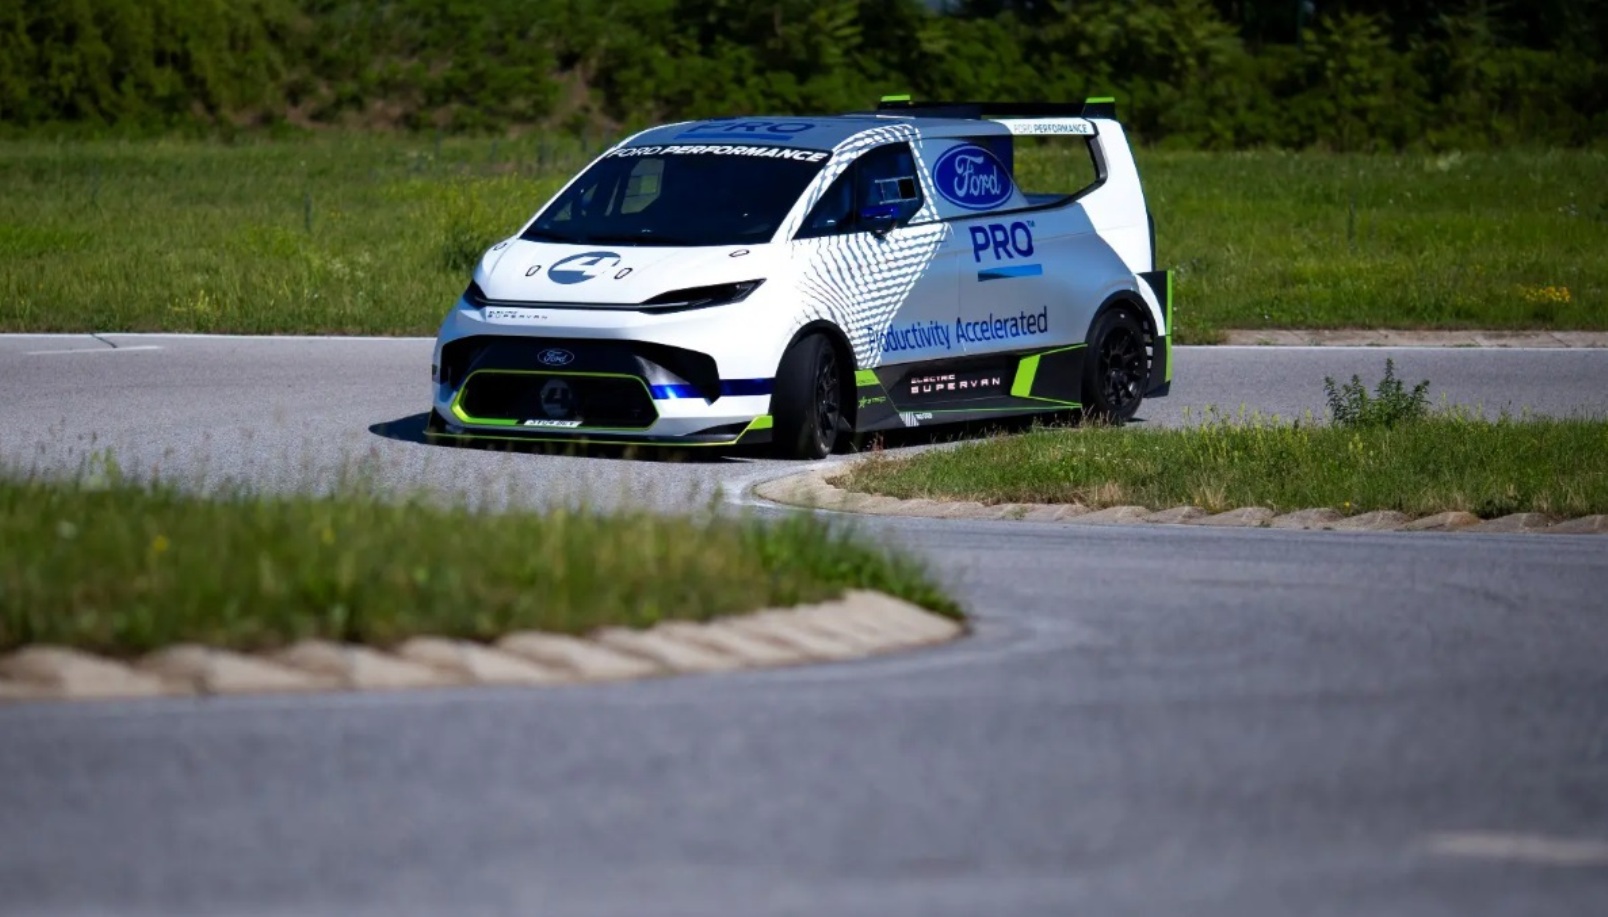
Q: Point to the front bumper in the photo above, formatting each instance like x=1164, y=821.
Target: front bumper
x=594, y=390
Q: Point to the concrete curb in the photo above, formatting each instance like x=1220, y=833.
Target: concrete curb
x=189, y=668
x=814, y=490
x=860, y=624
x=56, y=671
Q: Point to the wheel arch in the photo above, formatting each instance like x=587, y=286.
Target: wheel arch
x=846, y=362
x=1124, y=297
x=1154, y=343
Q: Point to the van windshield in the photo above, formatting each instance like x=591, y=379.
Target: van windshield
x=680, y=195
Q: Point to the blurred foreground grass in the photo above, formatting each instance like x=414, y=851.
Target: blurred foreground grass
x=107, y=565
x=375, y=234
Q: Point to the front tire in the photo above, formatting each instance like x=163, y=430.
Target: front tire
x=807, y=406
x=435, y=430
x=1117, y=367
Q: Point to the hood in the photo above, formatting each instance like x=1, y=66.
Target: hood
x=521, y=271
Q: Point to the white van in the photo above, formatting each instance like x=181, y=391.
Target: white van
x=799, y=279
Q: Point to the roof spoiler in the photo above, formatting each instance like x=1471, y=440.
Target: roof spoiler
x=1095, y=107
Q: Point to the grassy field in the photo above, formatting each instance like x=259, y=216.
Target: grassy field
x=362, y=234
x=1446, y=462
x=123, y=569
x=376, y=234
x=1281, y=240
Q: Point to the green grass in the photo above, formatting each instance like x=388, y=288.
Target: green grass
x=1446, y=462
x=359, y=234
x=376, y=234
x=1513, y=240
x=122, y=569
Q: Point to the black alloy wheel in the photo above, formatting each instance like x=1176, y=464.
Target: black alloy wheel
x=807, y=405
x=1118, y=368
x=827, y=403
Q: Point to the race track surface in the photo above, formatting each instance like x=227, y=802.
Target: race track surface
x=1148, y=720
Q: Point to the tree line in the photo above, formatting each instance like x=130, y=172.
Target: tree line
x=1216, y=74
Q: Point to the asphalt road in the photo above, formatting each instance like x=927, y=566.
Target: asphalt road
x=1147, y=720
x=319, y=412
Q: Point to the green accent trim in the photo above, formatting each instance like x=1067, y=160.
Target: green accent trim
x=1027, y=371
x=582, y=440
x=905, y=97
x=1045, y=353
x=1022, y=410
x=462, y=415
x=1022, y=385
x=762, y=422
x=1168, y=336
x=1100, y=100
x=865, y=377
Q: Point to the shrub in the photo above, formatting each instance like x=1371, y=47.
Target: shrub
x=1391, y=404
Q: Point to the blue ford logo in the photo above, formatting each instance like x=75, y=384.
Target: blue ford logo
x=555, y=357
x=969, y=176
x=581, y=268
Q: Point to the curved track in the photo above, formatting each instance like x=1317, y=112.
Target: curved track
x=1148, y=720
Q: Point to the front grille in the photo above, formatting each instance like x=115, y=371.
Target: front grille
x=557, y=400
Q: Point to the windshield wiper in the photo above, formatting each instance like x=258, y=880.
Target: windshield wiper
x=542, y=235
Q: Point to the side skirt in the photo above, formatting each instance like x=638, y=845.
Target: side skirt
x=969, y=388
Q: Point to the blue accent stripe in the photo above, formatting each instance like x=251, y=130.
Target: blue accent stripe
x=732, y=387
x=1019, y=270
x=746, y=386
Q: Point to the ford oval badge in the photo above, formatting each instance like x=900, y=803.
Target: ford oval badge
x=969, y=176
x=553, y=356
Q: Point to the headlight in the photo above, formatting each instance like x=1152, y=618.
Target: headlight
x=720, y=294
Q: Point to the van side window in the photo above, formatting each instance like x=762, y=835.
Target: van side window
x=882, y=181
x=1046, y=169
x=834, y=212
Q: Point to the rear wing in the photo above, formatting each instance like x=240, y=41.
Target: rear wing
x=1025, y=118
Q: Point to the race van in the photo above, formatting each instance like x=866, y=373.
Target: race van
x=800, y=280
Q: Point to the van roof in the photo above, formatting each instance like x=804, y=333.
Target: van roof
x=932, y=119
x=821, y=132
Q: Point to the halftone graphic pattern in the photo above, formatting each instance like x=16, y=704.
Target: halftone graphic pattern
x=859, y=281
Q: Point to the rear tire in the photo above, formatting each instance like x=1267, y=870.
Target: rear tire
x=1117, y=366
x=807, y=405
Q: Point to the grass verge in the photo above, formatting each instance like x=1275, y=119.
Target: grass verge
x=123, y=569
x=1445, y=462
x=376, y=234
